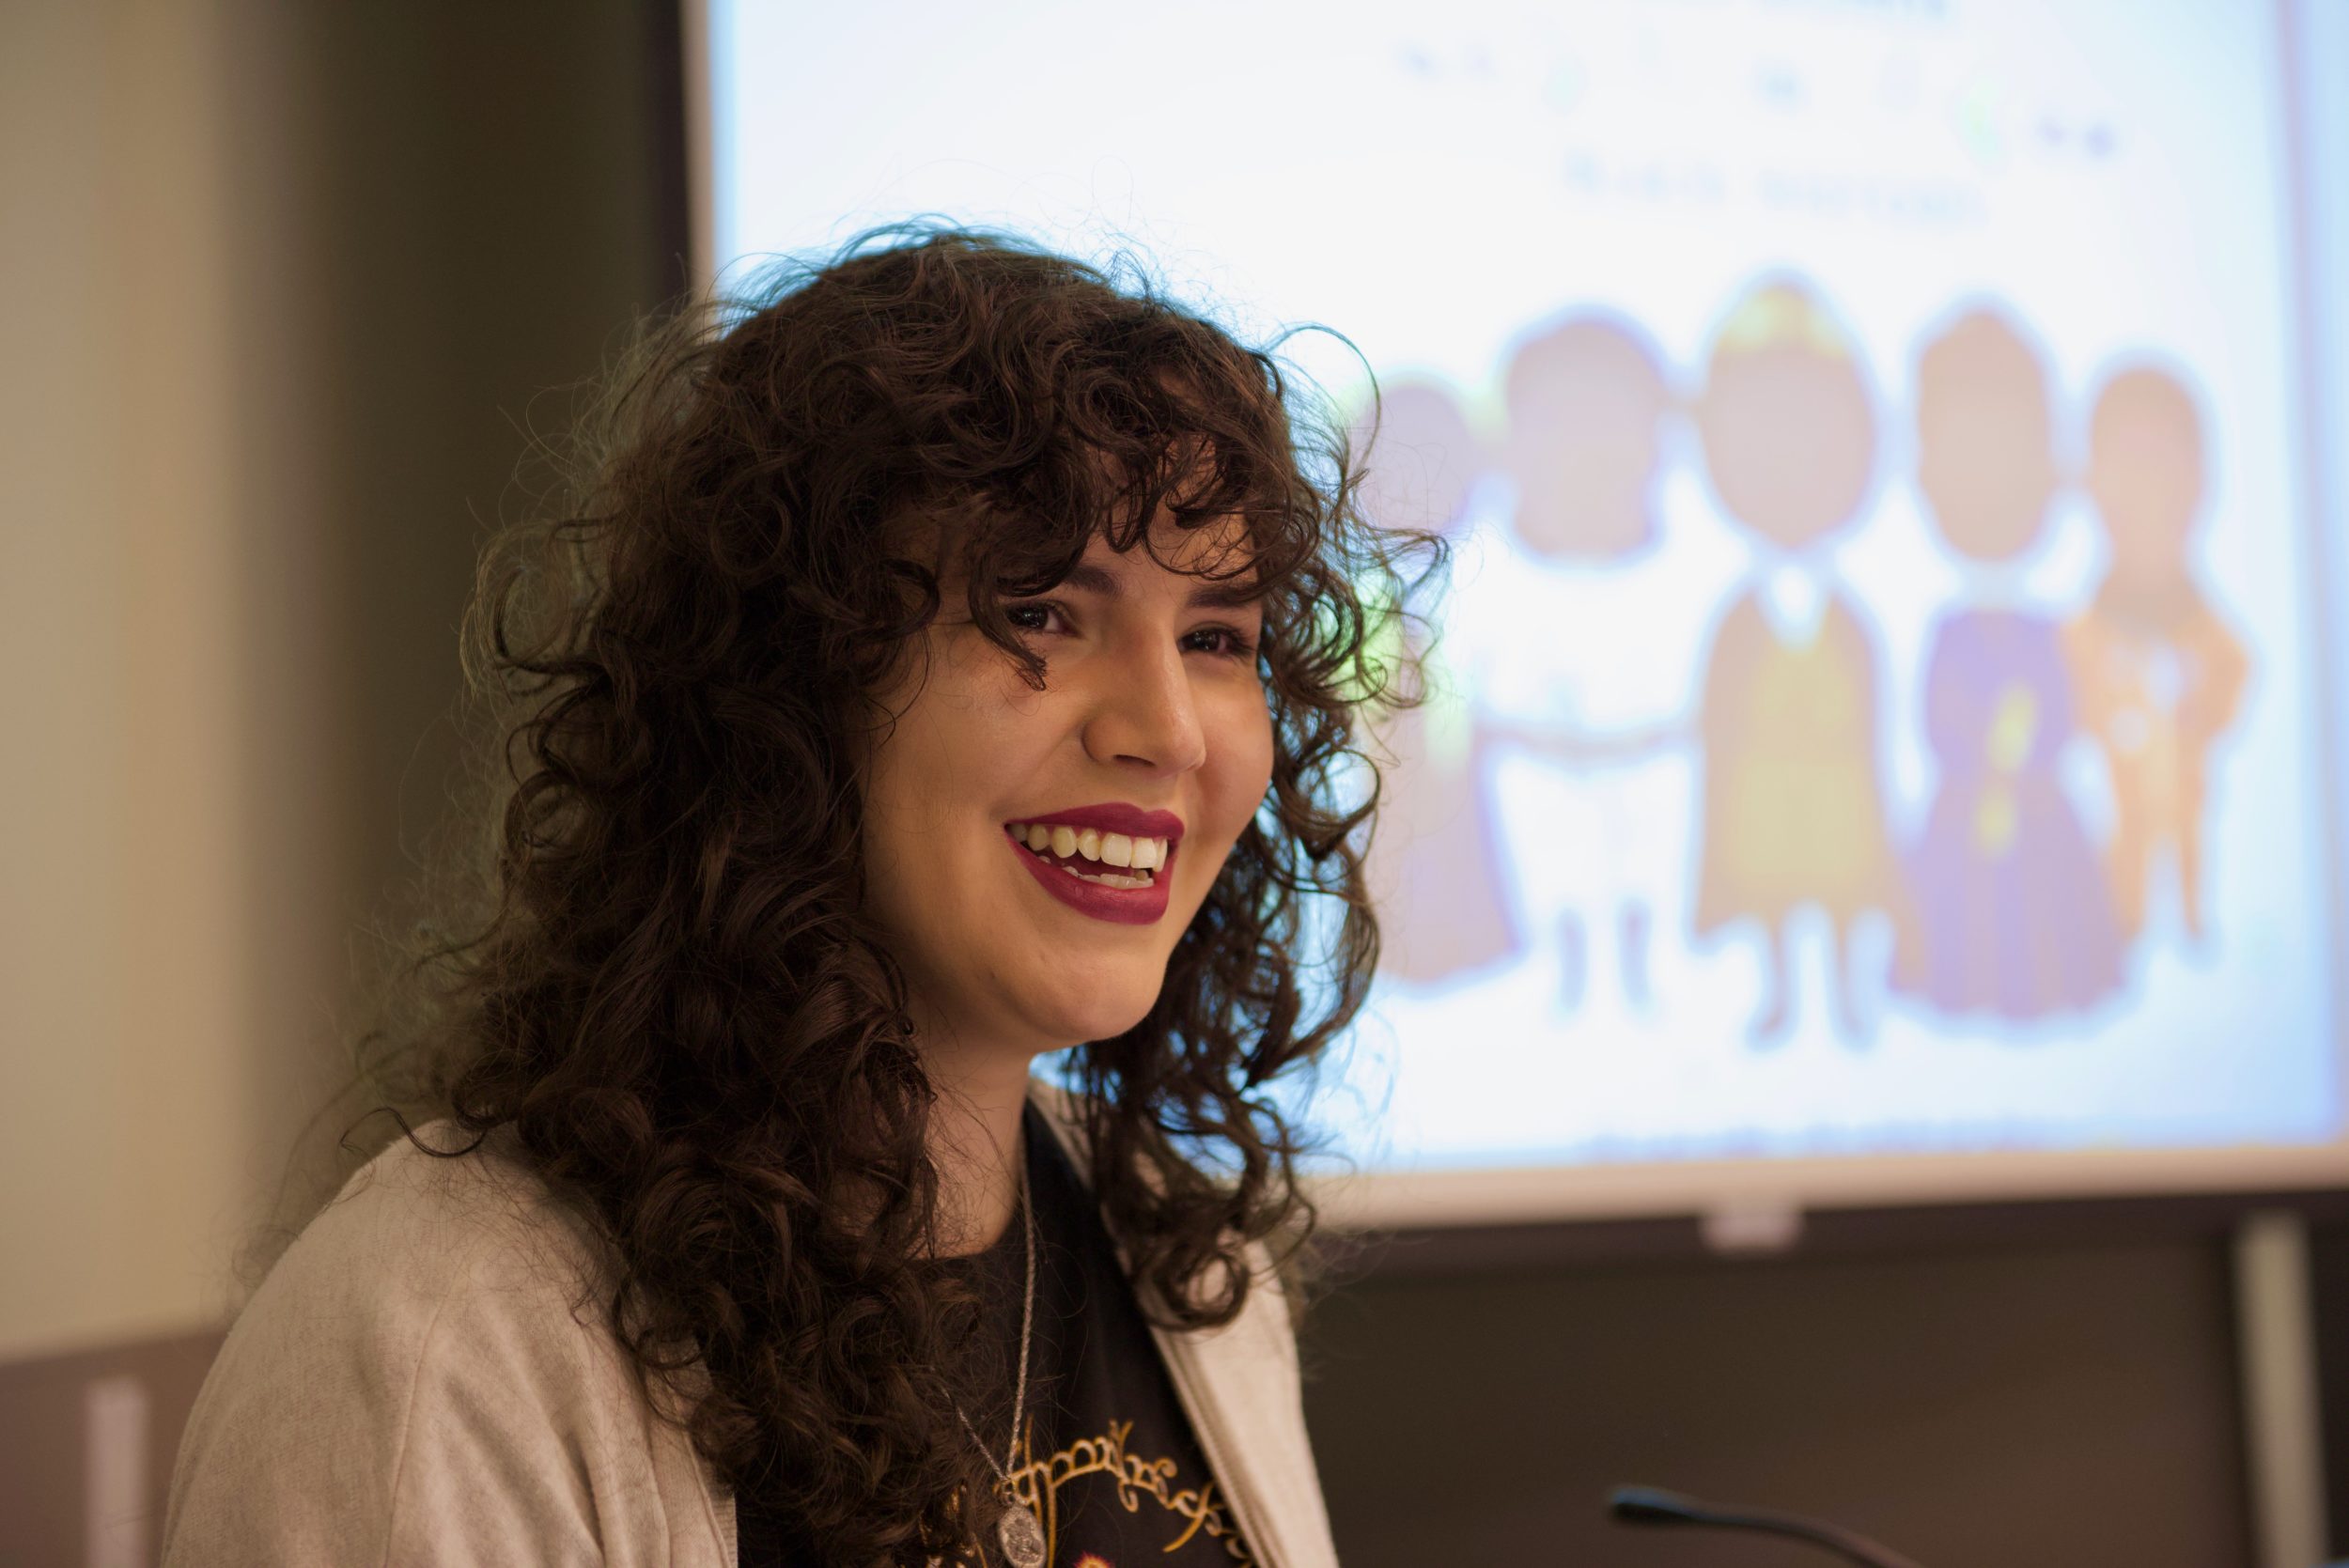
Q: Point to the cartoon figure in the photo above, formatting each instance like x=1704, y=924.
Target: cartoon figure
x=1580, y=736
x=2012, y=913
x=1587, y=403
x=1793, y=811
x=2158, y=672
x=1433, y=864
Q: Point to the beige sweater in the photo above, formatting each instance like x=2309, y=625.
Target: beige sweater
x=428, y=1377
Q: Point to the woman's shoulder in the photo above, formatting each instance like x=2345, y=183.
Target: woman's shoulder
x=432, y=1355
x=443, y=1210
x=439, y=1222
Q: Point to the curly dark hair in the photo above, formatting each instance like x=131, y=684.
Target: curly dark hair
x=670, y=1001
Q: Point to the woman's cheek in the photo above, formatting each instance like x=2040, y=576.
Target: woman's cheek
x=1251, y=772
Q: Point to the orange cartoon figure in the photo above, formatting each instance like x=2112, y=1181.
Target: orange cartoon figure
x=2158, y=674
x=1584, y=716
x=2012, y=913
x=1792, y=807
x=1434, y=863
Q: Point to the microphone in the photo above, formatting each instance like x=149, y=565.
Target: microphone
x=1649, y=1505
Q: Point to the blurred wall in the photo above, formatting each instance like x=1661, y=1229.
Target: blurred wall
x=130, y=926
x=285, y=284
x=2030, y=1389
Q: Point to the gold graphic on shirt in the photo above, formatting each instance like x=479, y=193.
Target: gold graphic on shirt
x=1038, y=1482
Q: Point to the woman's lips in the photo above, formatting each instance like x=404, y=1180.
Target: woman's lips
x=1113, y=817
x=1119, y=906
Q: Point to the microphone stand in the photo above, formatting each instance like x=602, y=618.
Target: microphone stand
x=1648, y=1505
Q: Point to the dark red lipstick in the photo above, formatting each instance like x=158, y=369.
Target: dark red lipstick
x=1113, y=817
x=1119, y=906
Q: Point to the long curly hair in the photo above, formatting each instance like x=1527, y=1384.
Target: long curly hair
x=668, y=998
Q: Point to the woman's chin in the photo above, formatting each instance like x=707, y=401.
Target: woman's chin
x=1104, y=1014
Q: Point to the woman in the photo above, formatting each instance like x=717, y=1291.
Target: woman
x=949, y=660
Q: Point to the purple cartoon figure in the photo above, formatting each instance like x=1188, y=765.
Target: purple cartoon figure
x=2011, y=916
x=1433, y=860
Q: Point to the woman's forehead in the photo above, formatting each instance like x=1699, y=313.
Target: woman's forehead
x=1216, y=561
x=1220, y=548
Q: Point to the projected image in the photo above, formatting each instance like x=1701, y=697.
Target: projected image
x=1878, y=703
x=2000, y=903
x=1612, y=758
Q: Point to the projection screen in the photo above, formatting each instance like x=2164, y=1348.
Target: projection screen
x=1885, y=718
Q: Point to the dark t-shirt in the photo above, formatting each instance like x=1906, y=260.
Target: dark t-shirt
x=1107, y=1458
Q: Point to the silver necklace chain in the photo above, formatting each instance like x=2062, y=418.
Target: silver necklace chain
x=1018, y=1532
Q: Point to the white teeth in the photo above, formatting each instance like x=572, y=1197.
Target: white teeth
x=1116, y=850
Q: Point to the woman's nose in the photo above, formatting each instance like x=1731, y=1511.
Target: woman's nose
x=1144, y=713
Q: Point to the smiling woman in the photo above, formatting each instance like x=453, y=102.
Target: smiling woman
x=994, y=820
x=948, y=657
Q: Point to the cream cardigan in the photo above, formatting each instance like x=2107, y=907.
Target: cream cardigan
x=428, y=1377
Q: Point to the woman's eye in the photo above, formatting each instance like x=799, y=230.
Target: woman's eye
x=1220, y=640
x=1032, y=618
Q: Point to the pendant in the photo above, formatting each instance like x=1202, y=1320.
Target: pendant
x=1021, y=1536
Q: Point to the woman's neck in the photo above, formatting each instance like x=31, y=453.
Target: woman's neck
x=975, y=1144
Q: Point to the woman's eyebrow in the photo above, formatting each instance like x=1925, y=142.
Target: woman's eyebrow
x=1091, y=579
x=1227, y=593
x=1218, y=593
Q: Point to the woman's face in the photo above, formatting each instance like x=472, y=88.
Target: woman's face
x=1010, y=833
